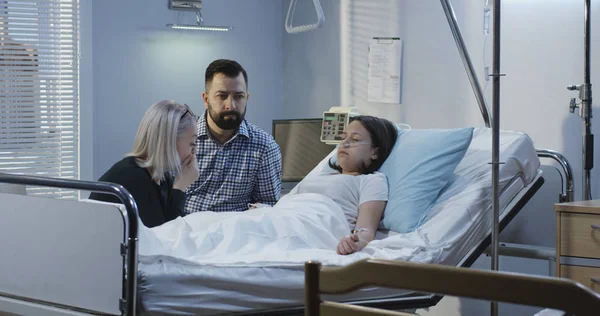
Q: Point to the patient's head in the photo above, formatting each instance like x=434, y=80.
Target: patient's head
x=367, y=143
x=166, y=136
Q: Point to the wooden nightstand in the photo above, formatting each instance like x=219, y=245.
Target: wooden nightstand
x=578, y=242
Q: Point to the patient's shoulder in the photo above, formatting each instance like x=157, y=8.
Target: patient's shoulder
x=376, y=177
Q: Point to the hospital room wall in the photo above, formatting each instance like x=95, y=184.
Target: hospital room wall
x=137, y=61
x=332, y=58
x=311, y=67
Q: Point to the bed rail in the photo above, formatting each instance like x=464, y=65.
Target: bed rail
x=545, y=292
x=128, y=304
x=568, y=188
x=566, y=195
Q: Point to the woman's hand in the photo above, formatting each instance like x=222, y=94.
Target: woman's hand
x=189, y=173
x=351, y=244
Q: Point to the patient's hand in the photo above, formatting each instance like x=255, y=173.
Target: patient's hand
x=351, y=244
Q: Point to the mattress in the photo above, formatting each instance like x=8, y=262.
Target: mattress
x=457, y=223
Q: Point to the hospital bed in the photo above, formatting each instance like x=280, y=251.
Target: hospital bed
x=84, y=255
x=208, y=289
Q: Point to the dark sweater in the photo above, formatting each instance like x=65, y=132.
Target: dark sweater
x=156, y=204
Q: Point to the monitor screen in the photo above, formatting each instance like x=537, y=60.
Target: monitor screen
x=301, y=146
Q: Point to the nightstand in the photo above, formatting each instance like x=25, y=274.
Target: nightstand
x=578, y=242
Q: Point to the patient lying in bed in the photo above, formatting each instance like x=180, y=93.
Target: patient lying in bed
x=318, y=214
x=353, y=183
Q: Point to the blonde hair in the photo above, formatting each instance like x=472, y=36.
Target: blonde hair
x=155, y=145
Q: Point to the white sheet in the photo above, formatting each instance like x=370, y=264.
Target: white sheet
x=297, y=228
x=186, y=273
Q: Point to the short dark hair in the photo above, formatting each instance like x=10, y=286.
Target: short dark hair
x=383, y=137
x=229, y=68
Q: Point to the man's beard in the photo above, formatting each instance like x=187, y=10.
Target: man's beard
x=227, y=123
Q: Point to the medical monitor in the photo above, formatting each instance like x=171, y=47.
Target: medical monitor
x=301, y=146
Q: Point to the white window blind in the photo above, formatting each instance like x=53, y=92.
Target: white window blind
x=39, y=90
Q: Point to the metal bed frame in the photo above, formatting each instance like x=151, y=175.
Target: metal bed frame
x=130, y=239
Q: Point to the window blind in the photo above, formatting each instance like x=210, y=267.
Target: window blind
x=39, y=90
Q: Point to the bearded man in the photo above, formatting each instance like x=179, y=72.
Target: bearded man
x=240, y=164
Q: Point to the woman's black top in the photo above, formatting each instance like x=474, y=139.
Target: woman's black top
x=157, y=204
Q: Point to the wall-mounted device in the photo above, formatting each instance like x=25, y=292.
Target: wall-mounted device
x=196, y=6
x=335, y=122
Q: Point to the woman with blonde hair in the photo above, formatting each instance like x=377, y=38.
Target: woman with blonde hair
x=161, y=165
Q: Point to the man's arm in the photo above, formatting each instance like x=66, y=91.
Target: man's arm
x=268, y=185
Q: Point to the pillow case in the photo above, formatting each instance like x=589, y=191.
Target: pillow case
x=420, y=165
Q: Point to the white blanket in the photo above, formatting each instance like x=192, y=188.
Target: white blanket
x=298, y=228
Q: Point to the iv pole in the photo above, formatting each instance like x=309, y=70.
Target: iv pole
x=495, y=142
x=585, y=111
x=495, y=119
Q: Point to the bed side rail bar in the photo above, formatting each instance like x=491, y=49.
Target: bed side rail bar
x=568, y=195
x=560, y=294
x=131, y=222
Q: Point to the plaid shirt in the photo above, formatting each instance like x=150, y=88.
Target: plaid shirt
x=245, y=169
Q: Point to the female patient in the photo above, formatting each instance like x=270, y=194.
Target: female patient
x=161, y=166
x=355, y=185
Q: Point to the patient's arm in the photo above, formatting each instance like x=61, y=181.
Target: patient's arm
x=369, y=216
